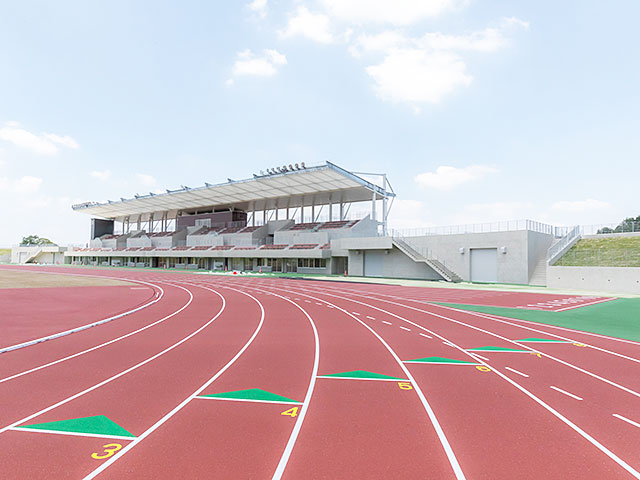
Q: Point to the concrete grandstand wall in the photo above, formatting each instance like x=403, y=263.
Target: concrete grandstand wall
x=624, y=280
x=523, y=250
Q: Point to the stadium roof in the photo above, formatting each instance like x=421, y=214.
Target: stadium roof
x=318, y=185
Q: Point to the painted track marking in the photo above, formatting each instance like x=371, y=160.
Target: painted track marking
x=60, y=360
x=484, y=358
x=425, y=335
x=547, y=407
x=525, y=346
x=247, y=400
x=371, y=318
x=153, y=427
x=53, y=336
x=118, y=375
x=388, y=323
x=624, y=419
x=566, y=393
x=367, y=379
x=72, y=434
x=405, y=328
x=430, y=413
x=513, y=370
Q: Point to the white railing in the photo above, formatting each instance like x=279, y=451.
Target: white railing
x=556, y=250
x=505, y=226
x=604, y=228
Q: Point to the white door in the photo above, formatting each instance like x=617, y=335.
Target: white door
x=373, y=263
x=484, y=265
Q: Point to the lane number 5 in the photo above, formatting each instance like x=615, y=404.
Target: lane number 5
x=109, y=449
x=405, y=386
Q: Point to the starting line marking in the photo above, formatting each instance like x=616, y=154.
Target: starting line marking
x=360, y=378
x=388, y=323
x=566, y=393
x=635, y=424
x=516, y=371
x=248, y=400
x=73, y=434
x=355, y=313
x=370, y=318
x=425, y=335
x=405, y=328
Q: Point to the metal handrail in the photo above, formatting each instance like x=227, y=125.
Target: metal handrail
x=505, y=226
x=563, y=242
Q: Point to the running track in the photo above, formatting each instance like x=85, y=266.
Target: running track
x=510, y=408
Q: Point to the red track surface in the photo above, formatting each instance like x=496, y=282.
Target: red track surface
x=209, y=335
x=30, y=313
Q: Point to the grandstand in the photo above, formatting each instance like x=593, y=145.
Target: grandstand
x=298, y=220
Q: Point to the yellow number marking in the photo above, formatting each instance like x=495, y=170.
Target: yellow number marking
x=292, y=412
x=579, y=344
x=109, y=449
x=405, y=386
x=482, y=368
x=536, y=354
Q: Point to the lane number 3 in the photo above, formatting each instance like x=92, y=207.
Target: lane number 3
x=109, y=449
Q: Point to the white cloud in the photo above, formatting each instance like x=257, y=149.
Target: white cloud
x=249, y=64
x=146, y=180
x=26, y=184
x=101, y=175
x=396, y=12
x=65, y=140
x=44, y=144
x=415, y=76
x=580, y=206
x=424, y=69
x=315, y=26
x=408, y=214
x=259, y=7
x=446, y=177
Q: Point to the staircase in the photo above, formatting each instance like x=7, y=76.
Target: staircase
x=433, y=262
x=539, y=275
x=561, y=246
x=33, y=256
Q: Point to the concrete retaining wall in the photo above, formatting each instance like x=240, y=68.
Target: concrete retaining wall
x=598, y=279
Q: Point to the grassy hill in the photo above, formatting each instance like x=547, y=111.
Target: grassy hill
x=603, y=252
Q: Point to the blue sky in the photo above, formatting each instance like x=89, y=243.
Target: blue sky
x=477, y=110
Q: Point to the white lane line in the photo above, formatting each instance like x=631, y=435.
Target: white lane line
x=566, y=393
x=425, y=335
x=73, y=434
x=60, y=360
x=307, y=301
x=405, y=328
x=449, y=344
x=547, y=407
x=624, y=419
x=153, y=427
x=89, y=325
x=318, y=303
x=388, y=323
x=356, y=313
x=371, y=318
x=364, y=378
x=584, y=304
x=118, y=375
x=138, y=288
x=484, y=358
x=247, y=400
x=514, y=370
x=453, y=461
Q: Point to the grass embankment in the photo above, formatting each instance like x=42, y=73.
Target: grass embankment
x=618, y=318
x=603, y=252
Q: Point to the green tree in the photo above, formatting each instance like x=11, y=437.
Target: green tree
x=35, y=240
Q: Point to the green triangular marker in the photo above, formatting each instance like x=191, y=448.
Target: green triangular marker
x=98, y=425
x=251, y=394
x=545, y=340
x=361, y=374
x=441, y=360
x=495, y=349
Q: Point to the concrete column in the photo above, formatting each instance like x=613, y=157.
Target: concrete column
x=330, y=210
x=373, y=206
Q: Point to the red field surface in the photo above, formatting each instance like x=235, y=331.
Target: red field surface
x=226, y=377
